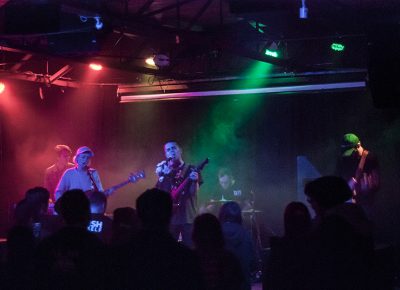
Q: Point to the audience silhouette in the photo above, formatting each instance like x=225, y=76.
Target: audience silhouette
x=153, y=259
x=221, y=269
x=238, y=240
x=71, y=258
x=333, y=251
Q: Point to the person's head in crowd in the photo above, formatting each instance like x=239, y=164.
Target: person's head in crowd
x=207, y=233
x=154, y=209
x=74, y=208
x=125, y=217
x=327, y=192
x=32, y=207
x=225, y=178
x=63, y=153
x=230, y=212
x=38, y=195
x=98, y=202
x=124, y=225
x=351, y=145
x=26, y=213
x=297, y=220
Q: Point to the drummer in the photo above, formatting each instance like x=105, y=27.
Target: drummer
x=229, y=190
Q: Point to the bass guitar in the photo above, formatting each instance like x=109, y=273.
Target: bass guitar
x=178, y=191
x=133, y=178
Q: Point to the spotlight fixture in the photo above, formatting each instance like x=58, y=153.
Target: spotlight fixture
x=260, y=27
x=96, y=66
x=2, y=87
x=99, y=24
x=337, y=46
x=303, y=11
x=271, y=53
x=150, y=61
x=272, y=49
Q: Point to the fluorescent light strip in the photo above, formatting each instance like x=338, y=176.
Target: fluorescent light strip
x=288, y=89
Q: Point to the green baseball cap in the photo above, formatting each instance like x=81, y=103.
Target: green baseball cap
x=349, y=144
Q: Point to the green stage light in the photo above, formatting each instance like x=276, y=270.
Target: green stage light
x=271, y=53
x=258, y=25
x=337, y=46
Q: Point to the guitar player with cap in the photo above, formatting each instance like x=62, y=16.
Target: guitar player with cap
x=360, y=168
x=81, y=176
x=171, y=173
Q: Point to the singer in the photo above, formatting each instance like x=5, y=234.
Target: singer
x=81, y=176
x=171, y=173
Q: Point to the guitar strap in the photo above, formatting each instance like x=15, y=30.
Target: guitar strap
x=93, y=182
x=180, y=175
x=361, y=164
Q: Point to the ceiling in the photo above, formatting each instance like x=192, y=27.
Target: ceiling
x=53, y=41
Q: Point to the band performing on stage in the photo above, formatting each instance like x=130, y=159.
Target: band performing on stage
x=183, y=181
x=224, y=231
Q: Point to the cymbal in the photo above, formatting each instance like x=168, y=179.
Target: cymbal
x=249, y=211
x=219, y=200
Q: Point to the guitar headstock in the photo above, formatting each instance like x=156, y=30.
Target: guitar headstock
x=202, y=164
x=134, y=177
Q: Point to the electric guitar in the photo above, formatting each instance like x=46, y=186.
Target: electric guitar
x=177, y=192
x=133, y=178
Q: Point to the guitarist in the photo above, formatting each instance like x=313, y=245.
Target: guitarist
x=81, y=176
x=171, y=173
x=360, y=168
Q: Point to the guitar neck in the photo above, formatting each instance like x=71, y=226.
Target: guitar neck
x=112, y=189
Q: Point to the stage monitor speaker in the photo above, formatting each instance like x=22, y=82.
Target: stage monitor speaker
x=384, y=65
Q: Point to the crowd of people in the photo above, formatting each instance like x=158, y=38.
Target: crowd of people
x=78, y=249
x=164, y=243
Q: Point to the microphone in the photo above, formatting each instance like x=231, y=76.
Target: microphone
x=160, y=166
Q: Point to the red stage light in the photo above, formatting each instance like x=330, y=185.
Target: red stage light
x=2, y=87
x=96, y=66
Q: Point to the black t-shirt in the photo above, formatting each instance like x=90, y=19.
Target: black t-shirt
x=100, y=225
x=236, y=192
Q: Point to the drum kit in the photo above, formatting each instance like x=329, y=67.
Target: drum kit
x=222, y=201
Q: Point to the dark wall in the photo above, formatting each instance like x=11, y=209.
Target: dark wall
x=259, y=137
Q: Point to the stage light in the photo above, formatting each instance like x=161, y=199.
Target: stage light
x=96, y=66
x=337, y=46
x=272, y=49
x=2, y=87
x=99, y=24
x=150, y=61
x=303, y=11
x=271, y=53
x=260, y=27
